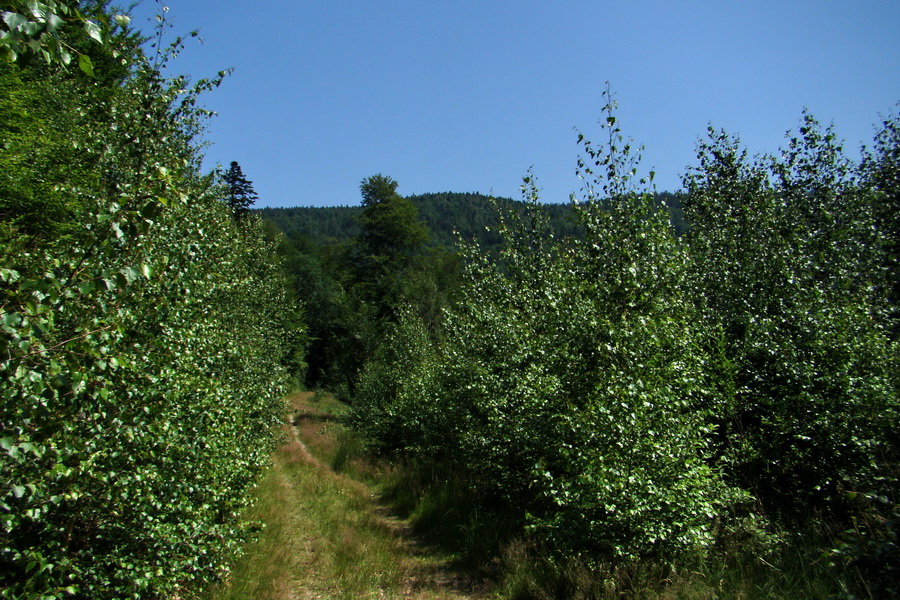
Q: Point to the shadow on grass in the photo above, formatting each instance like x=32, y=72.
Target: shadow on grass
x=446, y=514
x=302, y=417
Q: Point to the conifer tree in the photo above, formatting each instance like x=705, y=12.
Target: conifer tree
x=240, y=193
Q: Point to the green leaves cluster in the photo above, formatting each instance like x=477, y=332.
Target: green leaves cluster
x=569, y=381
x=794, y=266
x=354, y=287
x=142, y=355
x=626, y=394
x=36, y=28
x=786, y=254
x=391, y=237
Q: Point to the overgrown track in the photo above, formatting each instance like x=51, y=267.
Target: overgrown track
x=327, y=536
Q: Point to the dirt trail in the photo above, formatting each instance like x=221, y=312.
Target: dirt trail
x=327, y=535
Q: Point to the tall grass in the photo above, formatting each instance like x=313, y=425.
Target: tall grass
x=327, y=535
x=341, y=524
x=268, y=563
x=736, y=568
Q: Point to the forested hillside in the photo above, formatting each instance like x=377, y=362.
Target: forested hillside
x=448, y=215
x=319, y=224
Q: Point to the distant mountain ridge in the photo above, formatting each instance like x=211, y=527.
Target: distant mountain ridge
x=472, y=215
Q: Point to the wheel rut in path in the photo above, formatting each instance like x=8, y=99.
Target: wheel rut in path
x=351, y=546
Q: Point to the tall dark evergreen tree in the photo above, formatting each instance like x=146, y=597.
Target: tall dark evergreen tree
x=241, y=195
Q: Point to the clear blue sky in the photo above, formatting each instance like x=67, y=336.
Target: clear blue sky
x=467, y=95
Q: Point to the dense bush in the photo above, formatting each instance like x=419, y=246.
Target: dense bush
x=626, y=394
x=786, y=258
x=141, y=358
x=569, y=381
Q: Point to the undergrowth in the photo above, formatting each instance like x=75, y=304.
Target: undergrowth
x=346, y=524
x=442, y=509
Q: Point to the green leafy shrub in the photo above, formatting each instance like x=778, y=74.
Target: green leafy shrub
x=140, y=364
x=784, y=257
x=792, y=270
x=569, y=380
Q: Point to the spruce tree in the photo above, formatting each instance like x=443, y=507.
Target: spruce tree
x=240, y=193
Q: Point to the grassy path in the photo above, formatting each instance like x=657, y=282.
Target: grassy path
x=326, y=535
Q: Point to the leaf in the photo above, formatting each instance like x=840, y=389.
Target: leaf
x=14, y=20
x=122, y=20
x=54, y=23
x=6, y=52
x=38, y=9
x=18, y=490
x=86, y=287
x=11, y=319
x=85, y=64
x=130, y=273
x=93, y=30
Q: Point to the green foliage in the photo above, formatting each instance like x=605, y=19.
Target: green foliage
x=48, y=133
x=315, y=225
x=390, y=228
x=568, y=381
x=380, y=263
x=35, y=28
x=396, y=402
x=448, y=216
x=353, y=288
x=141, y=369
x=789, y=262
x=624, y=395
x=783, y=262
x=36, y=134
x=881, y=173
